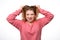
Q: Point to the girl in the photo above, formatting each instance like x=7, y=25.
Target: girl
x=30, y=27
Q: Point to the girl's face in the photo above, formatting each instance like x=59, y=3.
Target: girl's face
x=30, y=16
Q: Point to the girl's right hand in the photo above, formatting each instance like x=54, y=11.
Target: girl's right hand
x=37, y=6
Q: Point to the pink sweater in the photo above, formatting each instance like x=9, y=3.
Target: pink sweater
x=30, y=32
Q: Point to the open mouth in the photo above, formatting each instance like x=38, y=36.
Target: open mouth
x=30, y=18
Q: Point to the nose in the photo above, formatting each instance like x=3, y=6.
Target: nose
x=30, y=16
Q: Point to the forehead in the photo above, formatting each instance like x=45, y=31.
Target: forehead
x=29, y=12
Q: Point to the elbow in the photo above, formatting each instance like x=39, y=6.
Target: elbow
x=52, y=16
x=7, y=19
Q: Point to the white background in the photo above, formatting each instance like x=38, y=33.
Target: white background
x=49, y=32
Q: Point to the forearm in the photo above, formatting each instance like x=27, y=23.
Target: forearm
x=13, y=15
x=17, y=12
x=46, y=13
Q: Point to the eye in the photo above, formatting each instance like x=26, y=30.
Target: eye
x=27, y=14
x=32, y=14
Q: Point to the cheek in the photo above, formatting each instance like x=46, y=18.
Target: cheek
x=27, y=16
x=33, y=16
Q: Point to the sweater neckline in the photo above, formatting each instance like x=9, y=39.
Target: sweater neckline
x=30, y=24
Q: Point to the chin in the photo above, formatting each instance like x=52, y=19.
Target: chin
x=30, y=21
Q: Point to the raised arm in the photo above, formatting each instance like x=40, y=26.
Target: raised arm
x=45, y=20
x=12, y=19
